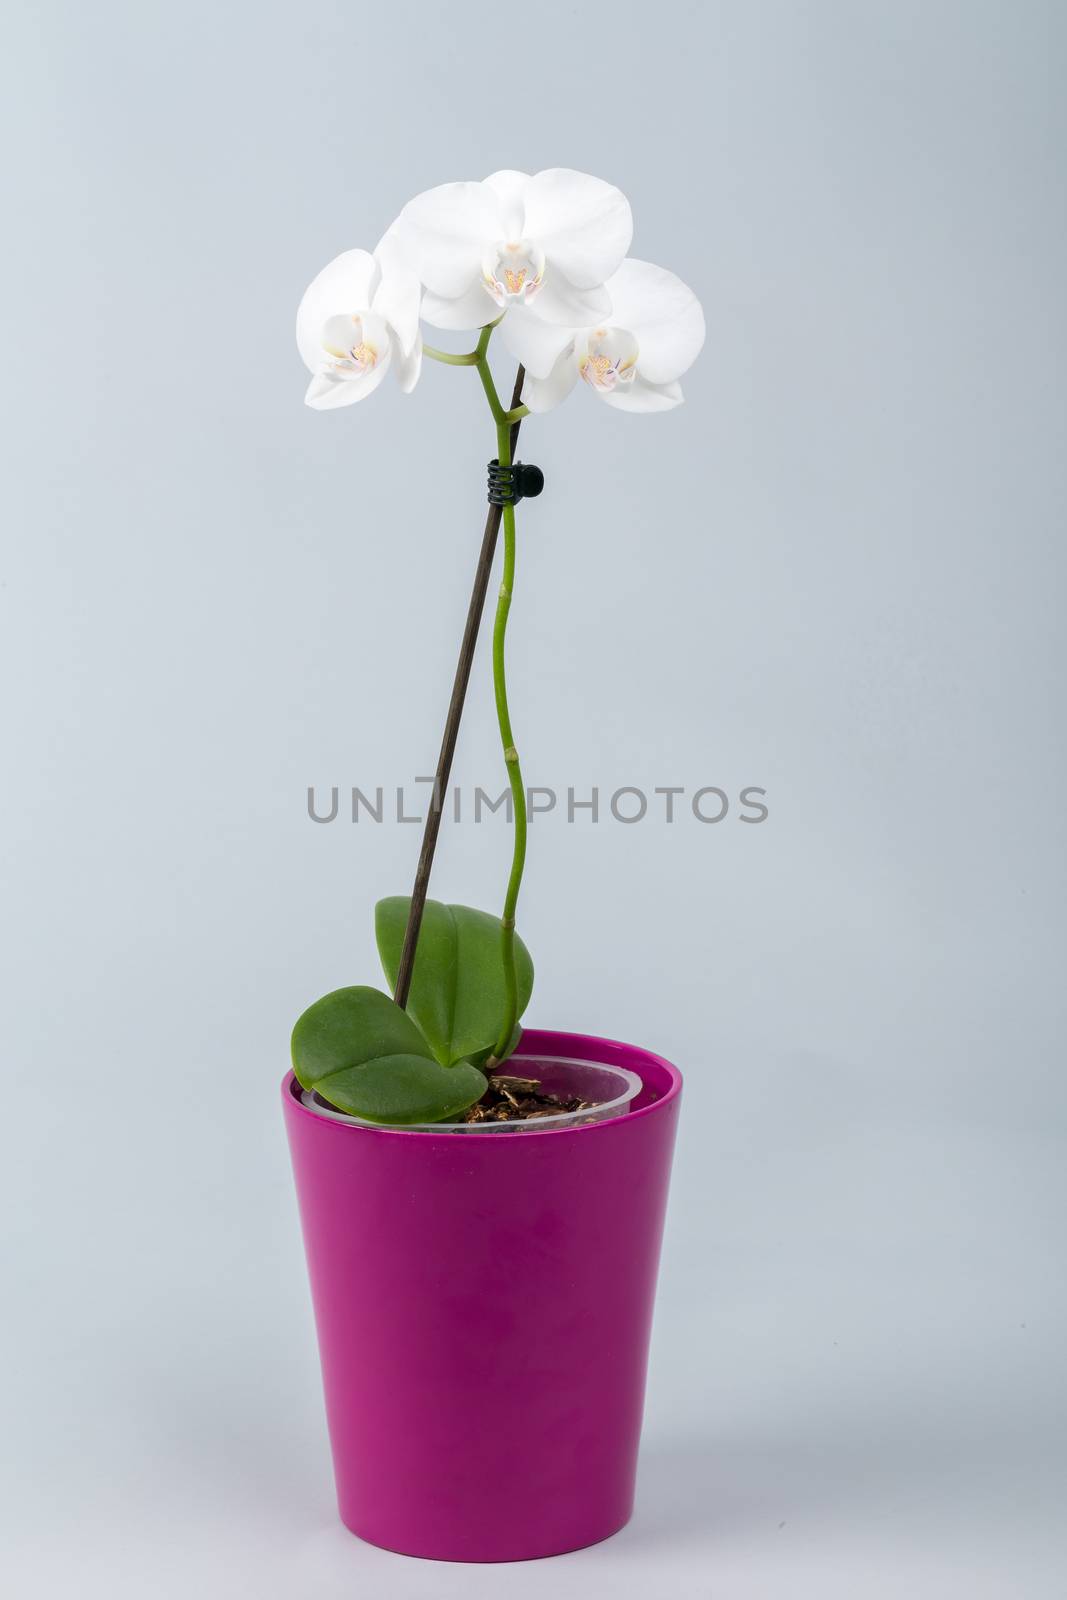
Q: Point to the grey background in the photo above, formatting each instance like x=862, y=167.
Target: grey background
x=835, y=573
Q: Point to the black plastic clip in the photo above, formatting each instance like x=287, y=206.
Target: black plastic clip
x=509, y=485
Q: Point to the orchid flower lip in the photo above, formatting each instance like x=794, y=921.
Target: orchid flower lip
x=351, y=343
x=609, y=360
x=513, y=272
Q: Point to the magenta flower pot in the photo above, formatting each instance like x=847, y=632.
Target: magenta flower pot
x=483, y=1304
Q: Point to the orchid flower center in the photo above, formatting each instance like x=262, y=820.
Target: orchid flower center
x=353, y=344
x=609, y=360
x=513, y=272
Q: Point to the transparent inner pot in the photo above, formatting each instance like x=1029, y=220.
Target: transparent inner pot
x=604, y=1090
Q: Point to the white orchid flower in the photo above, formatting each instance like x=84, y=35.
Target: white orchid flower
x=632, y=358
x=546, y=242
x=359, y=317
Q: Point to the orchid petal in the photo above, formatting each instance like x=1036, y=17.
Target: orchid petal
x=345, y=286
x=398, y=293
x=408, y=367
x=664, y=316
x=444, y=232
x=326, y=392
x=510, y=188
x=558, y=301
x=542, y=394
x=472, y=309
x=534, y=342
x=583, y=224
x=640, y=395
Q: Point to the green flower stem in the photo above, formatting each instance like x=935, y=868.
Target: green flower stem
x=511, y=758
x=505, y=420
x=499, y=414
x=469, y=358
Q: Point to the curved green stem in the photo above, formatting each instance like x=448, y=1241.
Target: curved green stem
x=511, y=758
x=505, y=420
x=499, y=414
x=469, y=358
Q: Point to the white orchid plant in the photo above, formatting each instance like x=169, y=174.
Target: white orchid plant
x=542, y=263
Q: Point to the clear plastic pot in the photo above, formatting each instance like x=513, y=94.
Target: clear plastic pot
x=611, y=1089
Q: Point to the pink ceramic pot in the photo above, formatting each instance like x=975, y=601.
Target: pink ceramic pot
x=483, y=1303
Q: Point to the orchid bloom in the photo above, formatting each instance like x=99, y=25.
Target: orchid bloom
x=545, y=243
x=359, y=317
x=631, y=358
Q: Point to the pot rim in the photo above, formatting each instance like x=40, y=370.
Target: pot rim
x=556, y=1043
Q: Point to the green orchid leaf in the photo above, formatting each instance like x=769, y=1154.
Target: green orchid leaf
x=349, y=1027
x=362, y=1053
x=457, y=987
x=400, y=1089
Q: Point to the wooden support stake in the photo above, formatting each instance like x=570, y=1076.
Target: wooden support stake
x=448, y=742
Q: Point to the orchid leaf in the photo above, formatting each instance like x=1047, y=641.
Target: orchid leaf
x=357, y=1049
x=457, y=988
